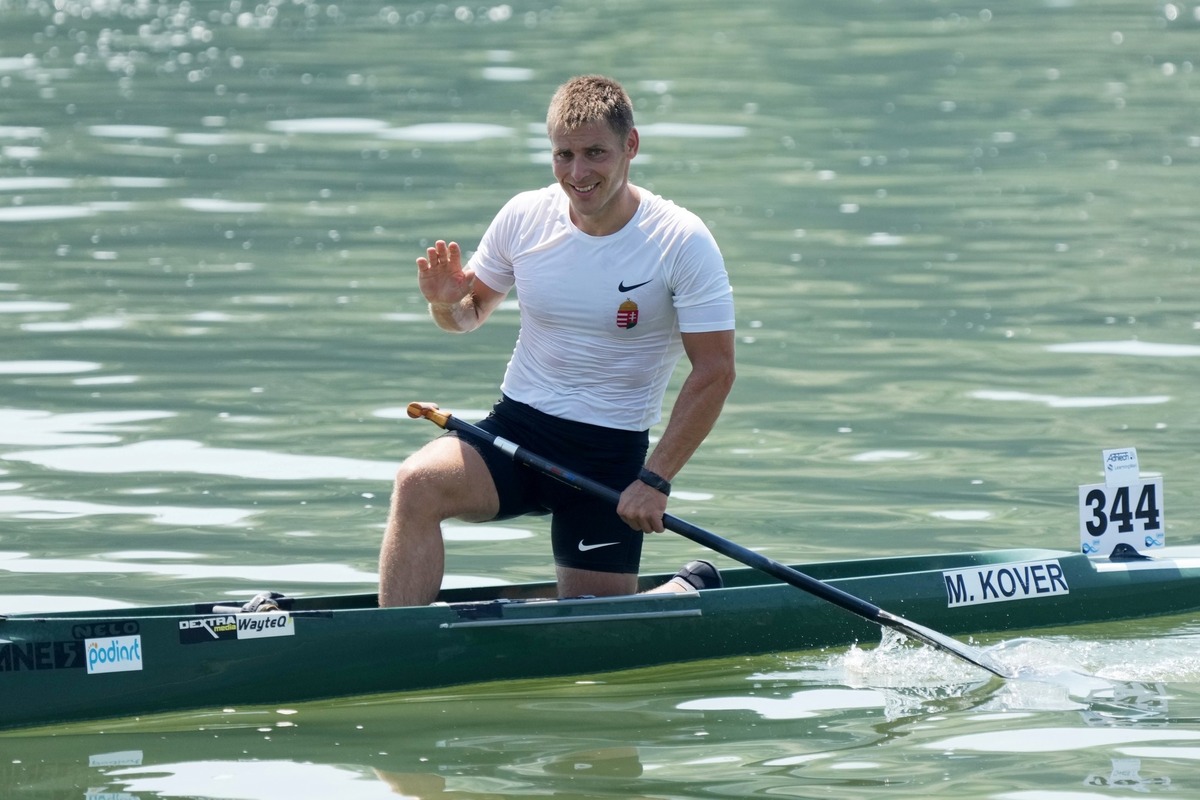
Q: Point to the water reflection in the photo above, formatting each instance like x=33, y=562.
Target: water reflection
x=31, y=306
x=809, y=703
x=42, y=428
x=44, y=213
x=46, y=367
x=28, y=603
x=448, y=133
x=28, y=507
x=90, y=324
x=209, y=205
x=1057, y=401
x=1126, y=773
x=259, y=575
x=1050, y=739
x=250, y=780
x=189, y=457
x=339, y=126
x=1128, y=348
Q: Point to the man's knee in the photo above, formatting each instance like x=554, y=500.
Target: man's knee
x=443, y=483
x=418, y=488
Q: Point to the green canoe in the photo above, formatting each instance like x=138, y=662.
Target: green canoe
x=66, y=666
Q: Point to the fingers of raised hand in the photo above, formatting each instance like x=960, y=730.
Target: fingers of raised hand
x=441, y=255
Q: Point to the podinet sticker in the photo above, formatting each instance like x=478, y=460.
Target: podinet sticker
x=117, y=654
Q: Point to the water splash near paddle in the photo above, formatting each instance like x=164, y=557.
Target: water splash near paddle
x=1112, y=681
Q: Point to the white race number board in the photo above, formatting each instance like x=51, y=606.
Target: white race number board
x=1125, y=509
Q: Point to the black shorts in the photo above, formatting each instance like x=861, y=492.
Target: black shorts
x=586, y=532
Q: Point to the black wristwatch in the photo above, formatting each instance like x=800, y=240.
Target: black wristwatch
x=655, y=481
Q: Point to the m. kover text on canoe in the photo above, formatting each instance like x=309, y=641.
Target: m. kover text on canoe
x=998, y=584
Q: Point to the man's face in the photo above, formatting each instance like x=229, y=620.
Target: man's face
x=591, y=163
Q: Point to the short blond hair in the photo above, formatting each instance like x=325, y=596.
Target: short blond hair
x=590, y=98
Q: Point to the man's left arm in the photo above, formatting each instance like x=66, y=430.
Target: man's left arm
x=696, y=409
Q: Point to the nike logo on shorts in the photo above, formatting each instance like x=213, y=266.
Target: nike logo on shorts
x=583, y=548
x=621, y=287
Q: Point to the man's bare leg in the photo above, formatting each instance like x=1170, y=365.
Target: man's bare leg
x=445, y=479
x=582, y=582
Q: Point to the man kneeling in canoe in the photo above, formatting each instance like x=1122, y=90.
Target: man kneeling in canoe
x=615, y=285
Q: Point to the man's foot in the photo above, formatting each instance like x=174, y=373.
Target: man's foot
x=698, y=575
x=265, y=601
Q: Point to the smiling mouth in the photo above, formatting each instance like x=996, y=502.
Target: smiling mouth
x=584, y=189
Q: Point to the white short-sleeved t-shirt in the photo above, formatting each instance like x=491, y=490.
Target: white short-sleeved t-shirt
x=601, y=316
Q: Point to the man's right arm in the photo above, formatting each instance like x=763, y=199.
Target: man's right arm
x=457, y=302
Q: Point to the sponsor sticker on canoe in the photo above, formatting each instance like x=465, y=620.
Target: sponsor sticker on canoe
x=236, y=626
x=113, y=654
x=21, y=656
x=999, y=583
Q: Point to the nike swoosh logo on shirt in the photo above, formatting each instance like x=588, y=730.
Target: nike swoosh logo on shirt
x=621, y=287
x=583, y=548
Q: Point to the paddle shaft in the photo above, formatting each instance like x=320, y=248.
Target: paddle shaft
x=751, y=558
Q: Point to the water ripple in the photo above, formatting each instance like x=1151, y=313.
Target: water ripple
x=25, y=507
x=41, y=428
x=1056, y=401
x=327, y=125
x=184, y=456
x=264, y=574
x=43, y=213
x=46, y=367
x=447, y=132
x=1132, y=347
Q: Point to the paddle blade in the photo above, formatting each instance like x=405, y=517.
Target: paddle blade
x=943, y=642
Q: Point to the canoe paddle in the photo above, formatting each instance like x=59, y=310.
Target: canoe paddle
x=751, y=558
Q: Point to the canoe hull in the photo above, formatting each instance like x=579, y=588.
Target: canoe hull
x=172, y=658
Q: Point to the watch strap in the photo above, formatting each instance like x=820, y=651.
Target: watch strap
x=655, y=481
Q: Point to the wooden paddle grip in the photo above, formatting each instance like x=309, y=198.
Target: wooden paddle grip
x=430, y=412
